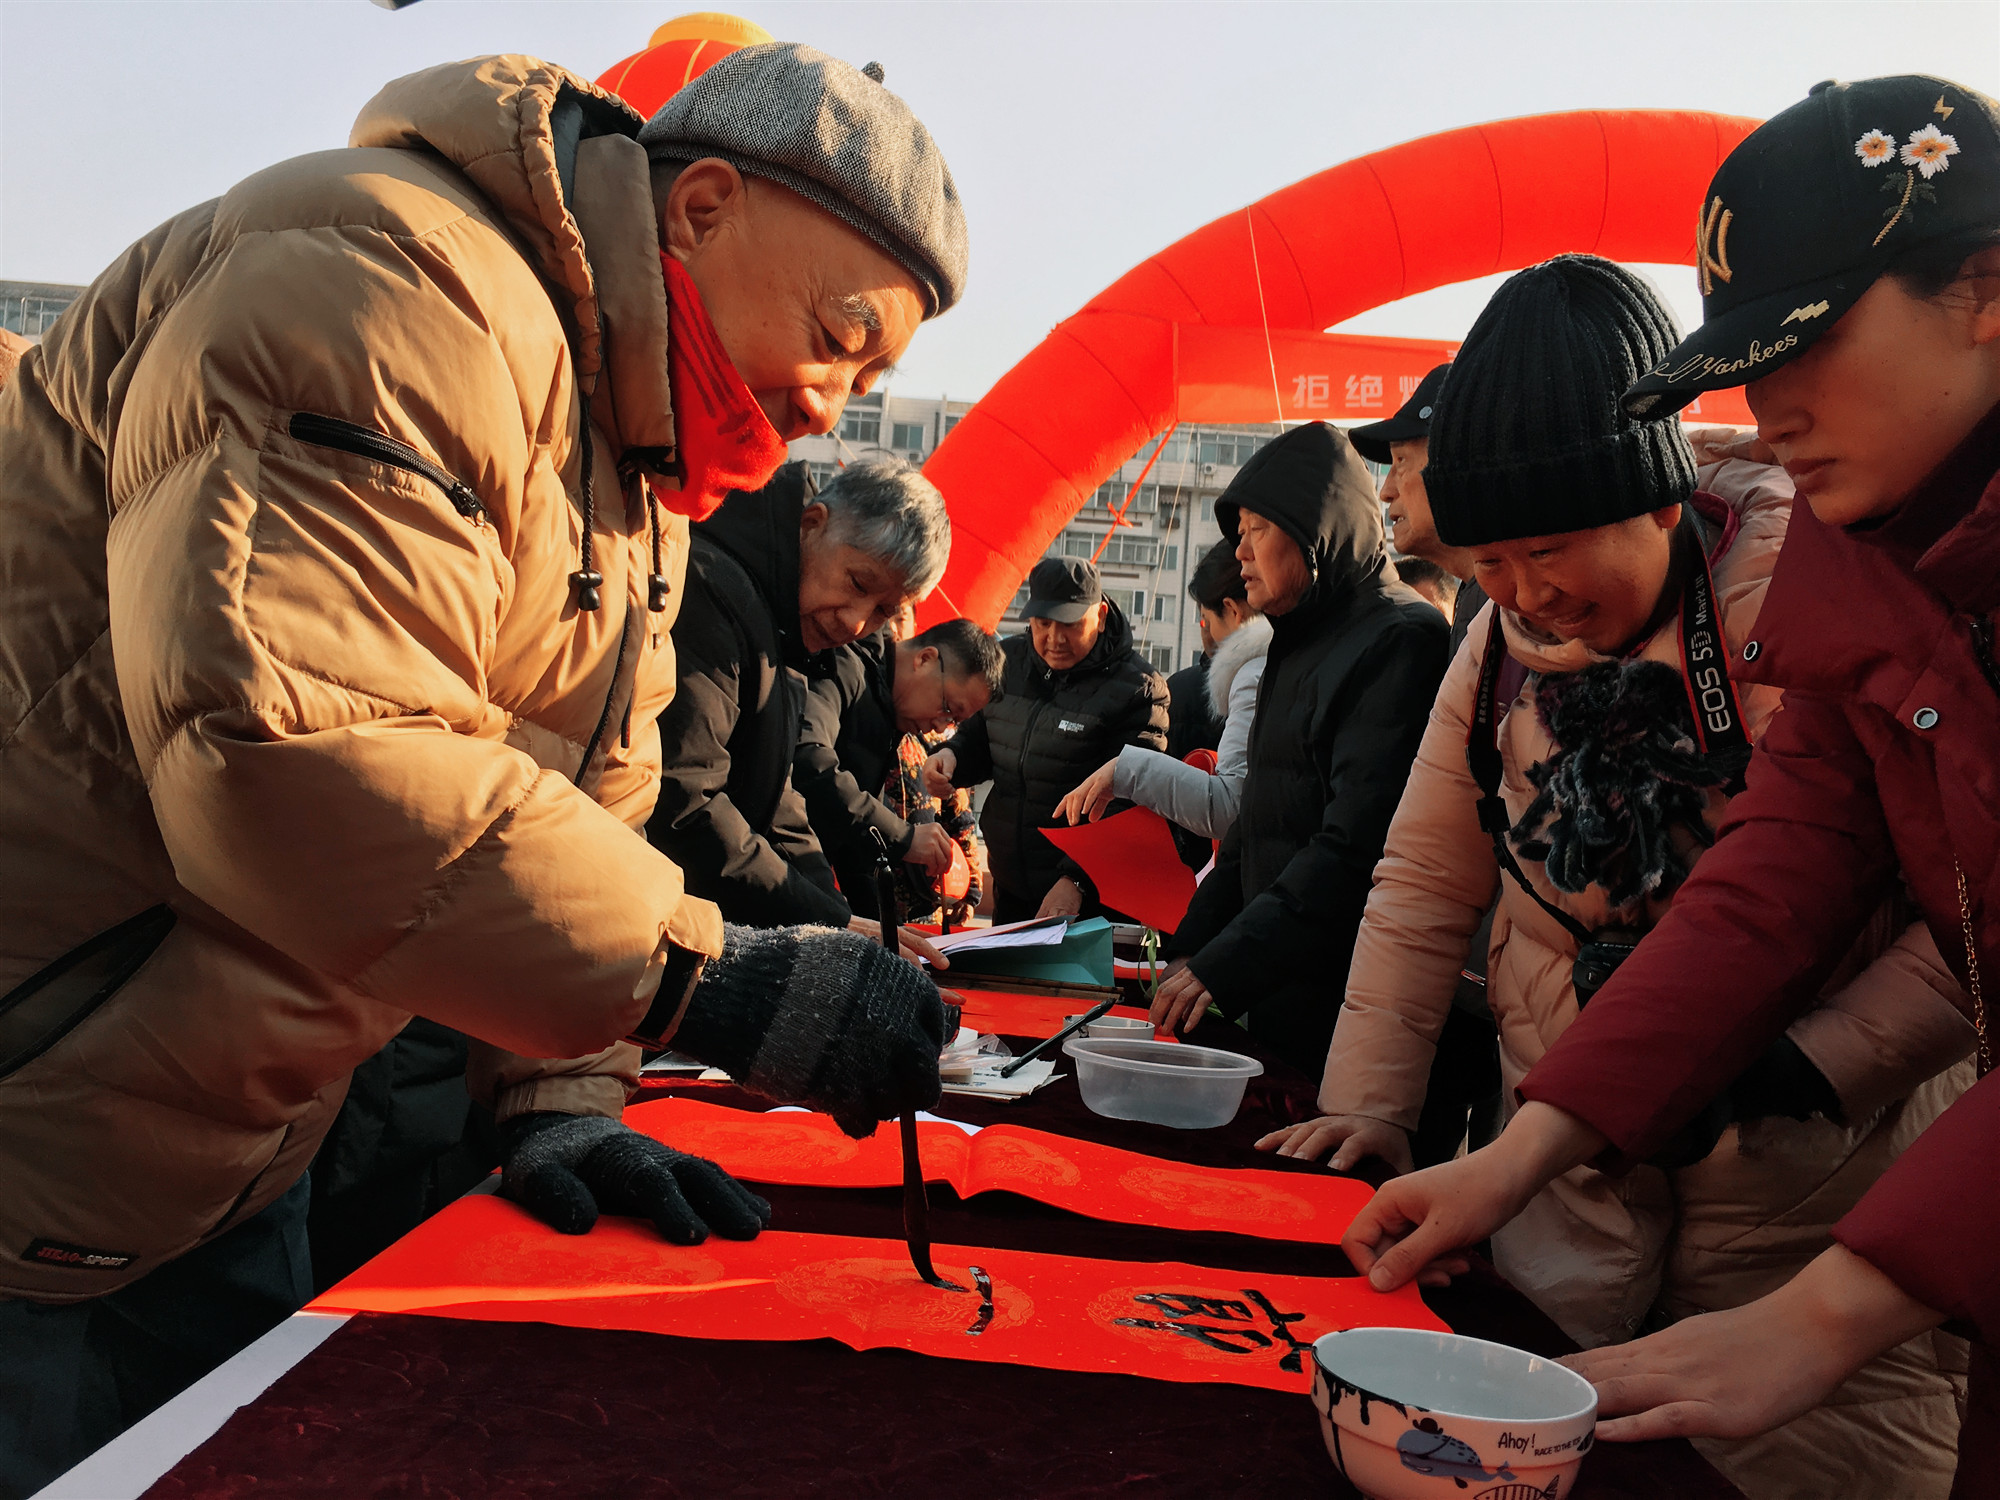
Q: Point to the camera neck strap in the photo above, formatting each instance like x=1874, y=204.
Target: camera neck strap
x=1718, y=715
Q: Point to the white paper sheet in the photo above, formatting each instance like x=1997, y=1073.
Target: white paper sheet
x=986, y=1082
x=674, y=1062
x=1036, y=932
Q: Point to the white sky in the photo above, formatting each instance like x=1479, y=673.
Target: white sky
x=1083, y=136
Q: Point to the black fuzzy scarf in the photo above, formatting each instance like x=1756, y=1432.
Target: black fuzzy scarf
x=1626, y=770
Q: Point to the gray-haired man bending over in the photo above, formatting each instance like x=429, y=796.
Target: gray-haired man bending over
x=772, y=579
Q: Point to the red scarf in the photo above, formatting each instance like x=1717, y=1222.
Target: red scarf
x=725, y=440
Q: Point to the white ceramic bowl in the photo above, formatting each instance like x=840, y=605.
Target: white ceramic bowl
x=1131, y=1028
x=1164, y=1083
x=1411, y=1415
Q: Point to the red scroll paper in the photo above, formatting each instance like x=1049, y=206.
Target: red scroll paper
x=1132, y=860
x=485, y=1259
x=1100, y=1182
x=1029, y=1015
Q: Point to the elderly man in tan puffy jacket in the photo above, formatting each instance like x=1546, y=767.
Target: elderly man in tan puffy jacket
x=342, y=522
x=1592, y=562
x=12, y=347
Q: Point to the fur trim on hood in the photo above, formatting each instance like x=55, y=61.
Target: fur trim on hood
x=1248, y=642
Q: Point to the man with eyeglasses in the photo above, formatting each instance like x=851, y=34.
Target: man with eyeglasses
x=862, y=700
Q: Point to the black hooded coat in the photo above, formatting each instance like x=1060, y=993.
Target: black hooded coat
x=1347, y=690
x=728, y=814
x=1047, y=733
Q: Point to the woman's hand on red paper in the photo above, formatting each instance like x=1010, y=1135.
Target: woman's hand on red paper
x=1091, y=797
x=1421, y=1221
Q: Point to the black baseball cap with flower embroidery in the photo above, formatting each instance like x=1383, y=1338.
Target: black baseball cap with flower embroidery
x=1804, y=215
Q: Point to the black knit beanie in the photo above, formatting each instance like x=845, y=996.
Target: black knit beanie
x=1530, y=437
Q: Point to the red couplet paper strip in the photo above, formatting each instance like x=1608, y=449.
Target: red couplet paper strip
x=1026, y=1015
x=1131, y=858
x=1099, y=1182
x=485, y=1259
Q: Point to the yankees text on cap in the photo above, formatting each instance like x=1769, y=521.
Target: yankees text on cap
x=1811, y=208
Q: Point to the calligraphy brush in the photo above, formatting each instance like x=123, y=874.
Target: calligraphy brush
x=916, y=1206
x=1094, y=1013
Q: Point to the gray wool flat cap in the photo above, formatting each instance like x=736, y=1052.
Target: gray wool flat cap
x=832, y=134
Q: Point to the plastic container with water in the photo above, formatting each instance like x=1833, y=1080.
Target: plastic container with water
x=1163, y=1083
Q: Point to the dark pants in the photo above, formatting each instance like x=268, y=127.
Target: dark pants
x=1978, y=1475
x=408, y=1140
x=1463, y=1099
x=1297, y=1023
x=74, y=1376
x=1464, y=1095
x=1015, y=906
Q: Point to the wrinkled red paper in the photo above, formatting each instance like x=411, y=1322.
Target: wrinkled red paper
x=1026, y=1015
x=1130, y=857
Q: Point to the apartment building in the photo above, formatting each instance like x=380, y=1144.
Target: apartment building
x=29, y=307
x=1168, y=522
x=878, y=424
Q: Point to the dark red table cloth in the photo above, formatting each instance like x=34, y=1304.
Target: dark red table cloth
x=443, y=1408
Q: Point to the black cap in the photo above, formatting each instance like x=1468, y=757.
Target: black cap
x=1412, y=420
x=1063, y=589
x=1811, y=208
x=1531, y=437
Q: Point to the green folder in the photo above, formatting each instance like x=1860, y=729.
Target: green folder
x=1082, y=957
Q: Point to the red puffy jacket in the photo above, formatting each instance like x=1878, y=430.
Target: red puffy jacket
x=1884, y=763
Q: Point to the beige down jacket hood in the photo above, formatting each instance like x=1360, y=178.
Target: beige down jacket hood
x=294, y=694
x=1611, y=1257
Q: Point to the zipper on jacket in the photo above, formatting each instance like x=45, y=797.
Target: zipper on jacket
x=1023, y=823
x=365, y=442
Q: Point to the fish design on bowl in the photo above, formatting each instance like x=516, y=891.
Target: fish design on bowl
x=1428, y=1449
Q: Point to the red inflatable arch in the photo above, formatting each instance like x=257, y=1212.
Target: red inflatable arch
x=1226, y=324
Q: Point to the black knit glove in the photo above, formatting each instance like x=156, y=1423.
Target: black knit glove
x=822, y=1017
x=565, y=1169
x=1784, y=1081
